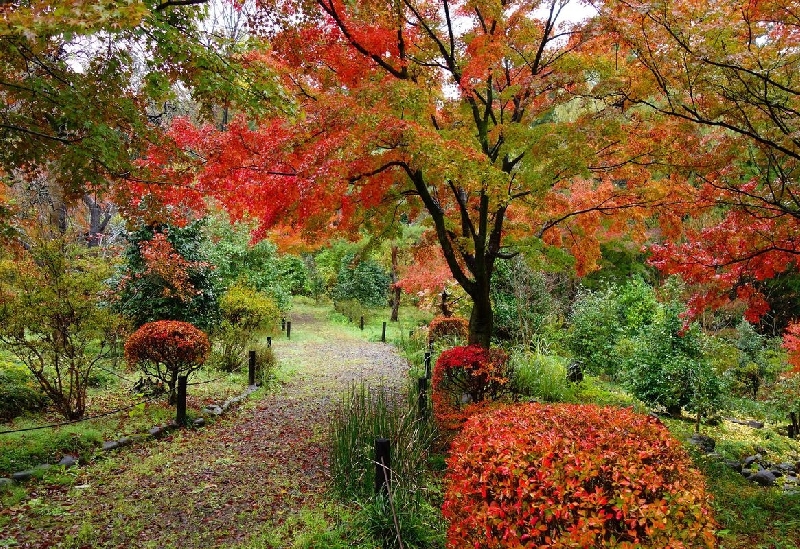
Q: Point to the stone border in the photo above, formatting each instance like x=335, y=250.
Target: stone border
x=159, y=430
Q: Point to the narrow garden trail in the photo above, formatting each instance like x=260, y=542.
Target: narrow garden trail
x=228, y=482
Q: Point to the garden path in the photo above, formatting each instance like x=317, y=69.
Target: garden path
x=226, y=483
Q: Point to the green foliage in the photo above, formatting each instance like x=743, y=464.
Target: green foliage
x=600, y=319
x=266, y=363
x=756, y=363
x=20, y=451
x=420, y=525
x=524, y=301
x=293, y=273
x=51, y=318
x=542, y=377
x=666, y=366
x=553, y=476
x=247, y=314
x=326, y=264
x=364, y=281
x=364, y=414
x=236, y=259
x=352, y=309
x=19, y=392
x=175, y=284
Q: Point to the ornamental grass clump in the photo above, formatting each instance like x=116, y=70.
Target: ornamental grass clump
x=167, y=349
x=465, y=379
x=586, y=476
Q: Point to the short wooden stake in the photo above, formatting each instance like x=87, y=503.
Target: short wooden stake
x=283, y=324
x=383, y=333
x=361, y=323
x=180, y=413
x=251, y=368
x=428, y=369
x=288, y=329
x=422, y=397
x=269, y=341
x=383, y=464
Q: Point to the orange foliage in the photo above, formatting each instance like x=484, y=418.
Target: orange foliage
x=559, y=476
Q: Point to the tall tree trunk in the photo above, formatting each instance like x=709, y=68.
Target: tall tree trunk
x=481, y=320
x=395, y=289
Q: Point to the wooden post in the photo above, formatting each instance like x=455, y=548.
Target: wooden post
x=422, y=397
x=251, y=370
x=269, y=341
x=361, y=323
x=428, y=371
x=383, y=464
x=283, y=324
x=383, y=333
x=790, y=429
x=288, y=329
x=180, y=413
x=793, y=417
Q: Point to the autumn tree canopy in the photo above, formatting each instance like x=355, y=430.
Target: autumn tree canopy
x=728, y=70
x=466, y=114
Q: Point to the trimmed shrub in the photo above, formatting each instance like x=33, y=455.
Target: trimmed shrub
x=450, y=328
x=246, y=314
x=560, y=476
x=463, y=378
x=167, y=349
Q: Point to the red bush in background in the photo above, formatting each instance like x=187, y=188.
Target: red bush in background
x=448, y=327
x=557, y=476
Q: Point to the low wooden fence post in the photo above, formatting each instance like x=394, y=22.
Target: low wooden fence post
x=383, y=333
x=428, y=369
x=288, y=329
x=251, y=368
x=422, y=397
x=180, y=412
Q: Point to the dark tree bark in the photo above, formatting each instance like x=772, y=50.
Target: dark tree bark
x=395, y=301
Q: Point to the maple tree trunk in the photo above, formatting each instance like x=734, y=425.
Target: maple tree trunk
x=482, y=317
x=395, y=289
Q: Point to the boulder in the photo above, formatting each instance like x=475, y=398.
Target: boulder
x=110, y=445
x=749, y=460
x=213, y=410
x=5, y=482
x=764, y=478
x=735, y=465
x=705, y=443
x=755, y=424
x=68, y=461
x=199, y=422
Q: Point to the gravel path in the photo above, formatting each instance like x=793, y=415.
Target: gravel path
x=217, y=486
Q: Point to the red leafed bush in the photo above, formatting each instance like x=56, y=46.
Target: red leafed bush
x=584, y=476
x=463, y=379
x=450, y=327
x=167, y=349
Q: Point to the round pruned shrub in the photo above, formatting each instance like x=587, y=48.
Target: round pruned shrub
x=463, y=379
x=558, y=476
x=167, y=349
x=449, y=328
